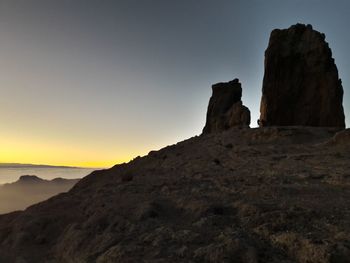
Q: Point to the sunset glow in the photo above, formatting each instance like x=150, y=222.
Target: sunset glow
x=97, y=84
x=35, y=151
x=55, y=154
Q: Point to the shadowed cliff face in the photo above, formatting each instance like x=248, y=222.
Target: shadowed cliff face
x=301, y=84
x=225, y=109
x=274, y=194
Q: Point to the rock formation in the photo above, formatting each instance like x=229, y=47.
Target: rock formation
x=225, y=109
x=272, y=194
x=301, y=84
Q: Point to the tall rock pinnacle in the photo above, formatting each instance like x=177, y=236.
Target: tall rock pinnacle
x=301, y=84
x=225, y=109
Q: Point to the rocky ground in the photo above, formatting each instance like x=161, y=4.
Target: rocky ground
x=244, y=195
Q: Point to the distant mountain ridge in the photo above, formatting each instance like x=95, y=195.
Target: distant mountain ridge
x=26, y=165
x=30, y=189
x=30, y=179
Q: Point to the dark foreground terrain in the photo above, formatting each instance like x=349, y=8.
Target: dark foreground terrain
x=245, y=195
x=30, y=189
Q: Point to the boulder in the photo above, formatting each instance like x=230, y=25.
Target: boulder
x=301, y=84
x=225, y=109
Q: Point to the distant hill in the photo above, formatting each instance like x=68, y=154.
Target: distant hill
x=26, y=180
x=30, y=189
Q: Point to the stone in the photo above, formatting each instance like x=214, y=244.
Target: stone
x=341, y=138
x=301, y=86
x=225, y=109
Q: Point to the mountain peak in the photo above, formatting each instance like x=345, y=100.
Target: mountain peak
x=30, y=179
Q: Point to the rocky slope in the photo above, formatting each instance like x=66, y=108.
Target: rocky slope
x=29, y=190
x=274, y=194
x=266, y=195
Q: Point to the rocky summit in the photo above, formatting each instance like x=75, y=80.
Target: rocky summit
x=301, y=85
x=276, y=194
x=225, y=109
x=273, y=194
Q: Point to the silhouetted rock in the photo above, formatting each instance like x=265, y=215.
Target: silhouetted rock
x=301, y=84
x=225, y=109
x=272, y=194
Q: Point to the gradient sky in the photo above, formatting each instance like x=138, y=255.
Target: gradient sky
x=95, y=83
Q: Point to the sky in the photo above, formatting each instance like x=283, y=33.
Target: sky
x=95, y=83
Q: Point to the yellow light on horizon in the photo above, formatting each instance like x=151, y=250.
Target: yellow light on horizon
x=22, y=150
x=61, y=148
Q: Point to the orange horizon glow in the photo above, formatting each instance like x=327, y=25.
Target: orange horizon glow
x=79, y=164
x=29, y=151
x=46, y=149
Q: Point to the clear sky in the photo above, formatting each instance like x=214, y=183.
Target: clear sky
x=95, y=83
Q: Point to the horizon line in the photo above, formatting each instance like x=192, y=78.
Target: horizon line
x=14, y=164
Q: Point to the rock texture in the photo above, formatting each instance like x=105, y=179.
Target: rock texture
x=301, y=84
x=267, y=195
x=341, y=138
x=225, y=109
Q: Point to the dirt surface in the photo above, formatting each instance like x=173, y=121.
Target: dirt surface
x=245, y=195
